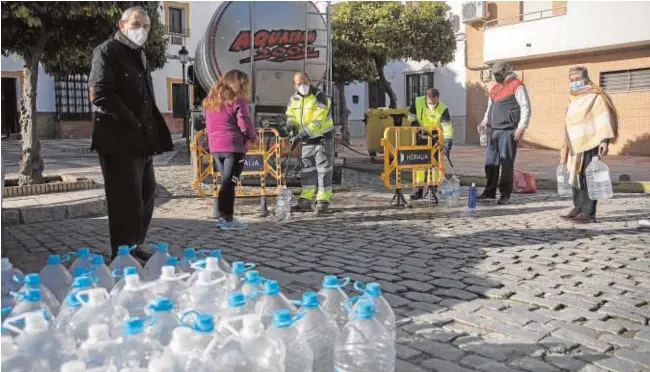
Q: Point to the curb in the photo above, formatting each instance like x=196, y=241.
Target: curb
x=95, y=207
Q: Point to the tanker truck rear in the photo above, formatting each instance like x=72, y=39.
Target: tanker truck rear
x=270, y=41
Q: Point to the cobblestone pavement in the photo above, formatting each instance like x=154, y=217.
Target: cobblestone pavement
x=514, y=289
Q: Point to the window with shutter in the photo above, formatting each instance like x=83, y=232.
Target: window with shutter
x=625, y=80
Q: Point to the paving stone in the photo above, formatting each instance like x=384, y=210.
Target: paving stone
x=446, y=283
x=440, y=365
x=566, y=362
x=423, y=297
x=415, y=285
x=462, y=306
x=617, y=312
x=542, y=302
x=405, y=352
x=533, y=365
x=618, y=365
x=437, y=334
x=439, y=349
x=627, y=342
x=496, y=352
x=426, y=306
x=640, y=358
x=585, y=340
x=601, y=326
x=456, y=293
x=558, y=345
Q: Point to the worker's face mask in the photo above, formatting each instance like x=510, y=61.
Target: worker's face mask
x=499, y=77
x=577, y=85
x=137, y=35
x=303, y=89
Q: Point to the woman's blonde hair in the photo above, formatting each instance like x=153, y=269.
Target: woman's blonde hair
x=227, y=90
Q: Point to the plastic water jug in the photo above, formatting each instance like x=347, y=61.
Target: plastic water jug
x=137, y=348
x=69, y=307
x=135, y=296
x=14, y=361
x=455, y=192
x=156, y=262
x=38, y=340
x=99, y=349
x=206, y=295
x=270, y=301
x=483, y=135
x=175, y=262
x=235, y=310
x=124, y=259
x=562, y=176
x=364, y=344
x=382, y=310
x=189, y=257
x=236, y=277
x=334, y=299
x=249, y=349
x=80, y=366
x=216, y=253
x=29, y=301
x=204, y=328
x=56, y=277
x=182, y=354
x=33, y=281
x=96, y=310
x=319, y=330
x=170, y=284
x=120, y=275
x=211, y=265
x=599, y=183
x=82, y=260
x=8, y=283
x=283, y=204
x=252, y=285
x=299, y=356
x=103, y=274
x=164, y=320
x=444, y=192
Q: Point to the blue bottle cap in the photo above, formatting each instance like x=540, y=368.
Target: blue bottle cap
x=97, y=259
x=204, y=323
x=271, y=288
x=133, y=326
x=162, y=247
x=79, y=271
x=216, y=253
x=189, y=252
x=32, y=280
x=130, y=270
x=236, y=299
x=83, y=252
x=81, y=282
x=171, y=261
x=32, y=295
x=310, y=300
x=72, y=300
x=238, y=267
x=373, y=289
x=364, y=310
x=123, y=250
x=162, y=304
x=330, y=281
x=281, y=318
x=53, y=259
x=252, y=277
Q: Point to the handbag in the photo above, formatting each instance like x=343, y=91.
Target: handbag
x=524, y=183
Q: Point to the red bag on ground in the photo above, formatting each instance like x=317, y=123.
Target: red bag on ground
x=525, y=183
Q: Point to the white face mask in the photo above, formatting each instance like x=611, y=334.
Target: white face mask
x=303, y=89
x=137, y=35
x=430, y=106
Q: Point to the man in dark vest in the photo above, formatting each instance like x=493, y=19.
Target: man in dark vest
x=507, y=118
x=128, y=129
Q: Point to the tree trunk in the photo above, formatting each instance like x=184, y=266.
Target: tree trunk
x=31, y=162
x=380, y=64
x=343, y=110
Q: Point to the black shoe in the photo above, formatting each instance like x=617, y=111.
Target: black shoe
x=417, y=194
x=504, y=200
x=303, y=205
x=322, y=207
x=143, y=253
x=484, y=197
x=584, y=219
x=571, y=215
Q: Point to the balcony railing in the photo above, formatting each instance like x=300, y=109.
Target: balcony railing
x=173, y=30
x=527, y=17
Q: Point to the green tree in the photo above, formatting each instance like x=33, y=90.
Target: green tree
x=61, y=37
x=386, y=31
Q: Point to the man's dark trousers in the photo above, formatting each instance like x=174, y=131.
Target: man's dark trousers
x=130, y=186
x=581, y=198
x=501, y=153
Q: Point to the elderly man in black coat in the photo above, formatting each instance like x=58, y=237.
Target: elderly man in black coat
x=128, y=129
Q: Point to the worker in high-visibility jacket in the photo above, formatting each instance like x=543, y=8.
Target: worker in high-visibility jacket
x=429, y=111
x=309, y=113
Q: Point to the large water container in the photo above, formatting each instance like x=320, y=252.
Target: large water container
x=253, y=285
x=99, y=348
x=14, y=361
x=120, y=276
x=156, y=262
x=334, y=299
x=455, y=191
x=29, y=301
x=164, y=320
x=82, y=260
x=206, y=295
x=364, y=344
x=382, y=310
x=216, y=253
x=283, y=204
x=562, y=176
x=189, y=257
x=56, y=277
x=599, y=183
x=182, y=355
x=271, y=300
x=232, y=315
x=204, y=328
x=124, y=260
x=105, y=278
x=211, y=265
x=299, y=356
x=97, y=309
x=319, y=330
x=135, y=296
x=137, y=348
x=33, y=281
x=170, y=285
x=237, y=275
x=9, y=284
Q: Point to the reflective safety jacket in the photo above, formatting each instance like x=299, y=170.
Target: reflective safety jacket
x=311, y=113
x=431, y=118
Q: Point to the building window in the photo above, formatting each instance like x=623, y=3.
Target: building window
x=625, y=80
x=178, y=100
x=71, y=97
x=177, y=19
x=417, y=85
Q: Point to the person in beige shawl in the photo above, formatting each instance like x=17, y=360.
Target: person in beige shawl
x=591, y=125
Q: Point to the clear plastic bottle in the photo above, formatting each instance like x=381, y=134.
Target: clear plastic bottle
x=236, y=277
x=216, y=253
x=124, y=260
x=137, y=348
x=204, y=328
x=170, y=285
x=382, y=310
x=205, y=296
x=319, y=330
x=444, y=192
x=211, y=265
x=156, y=262
x=228, y=316
x=29, y=301
x=455, y=191
x=249, y=349
x=8, y=283
x=189, y=257
x=252, y=285
x=176, y=263
x=164, y=320
x=283, y=204
x=82, y=260
x=364, y=344
x=181, y=355
x=599, y=182
x=99, y=349
x=562, y=176
x=334, y=299
x=73, y=300
x=40, y=341
x=270, y=301
x=56, y=277
x=471, y=202
x=135, y=296
x=483, y=135
x=33, y=281
x=97, y=309
x=121, y=275
x=299, y=356
x=14, y=361
x=103, y=274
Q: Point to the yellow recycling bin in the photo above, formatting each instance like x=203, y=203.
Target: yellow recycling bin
x=377, y=120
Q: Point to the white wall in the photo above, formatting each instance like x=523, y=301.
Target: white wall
x=45, y=98
x=587, y=25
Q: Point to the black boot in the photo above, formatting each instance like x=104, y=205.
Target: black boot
x=322, y=207
x=417, y=194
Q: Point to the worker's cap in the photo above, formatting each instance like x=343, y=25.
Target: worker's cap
x=498, y=67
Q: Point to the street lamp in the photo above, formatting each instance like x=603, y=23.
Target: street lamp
x=182, y=56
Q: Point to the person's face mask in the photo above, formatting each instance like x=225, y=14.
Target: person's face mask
x=432, y=103
x=499, y=77
x=577, y=85
x=137, y=35
x=303, y=89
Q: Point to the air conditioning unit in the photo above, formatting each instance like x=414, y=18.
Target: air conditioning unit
x=455, y=21
x=474, y=11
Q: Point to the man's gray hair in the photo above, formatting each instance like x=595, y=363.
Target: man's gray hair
x=582, y=70
x=134, y=10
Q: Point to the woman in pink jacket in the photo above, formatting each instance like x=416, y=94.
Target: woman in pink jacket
x=230, y=129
